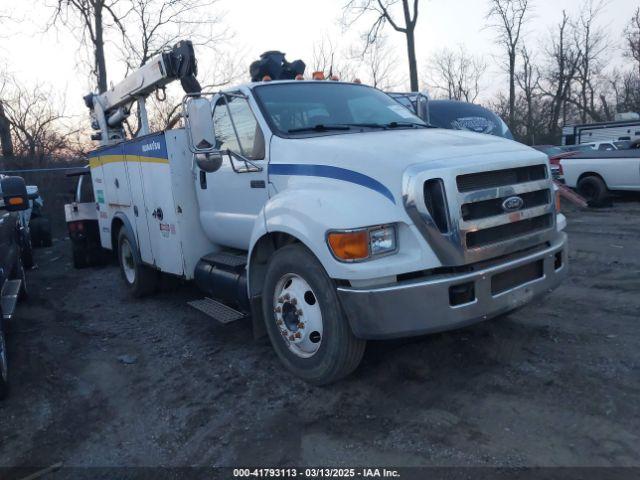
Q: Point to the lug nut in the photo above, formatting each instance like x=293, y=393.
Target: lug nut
x=287, y=296
x=278, y=322
x=301, y=325
x=297, y=335
x=294, y=301
x=277, y=309
x=280, y=299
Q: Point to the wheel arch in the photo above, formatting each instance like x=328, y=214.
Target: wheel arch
x=262, y=250
x=591, y=174
x=119, y=222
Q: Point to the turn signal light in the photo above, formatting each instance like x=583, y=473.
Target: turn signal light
x=349, y=245
x=16, y=201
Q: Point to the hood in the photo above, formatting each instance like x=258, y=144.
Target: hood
x=385, y=155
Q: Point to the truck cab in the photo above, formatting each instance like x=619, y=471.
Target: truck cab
x=331, y=215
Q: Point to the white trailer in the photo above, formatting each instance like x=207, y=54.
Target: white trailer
x=601, y=132
x=329, y=214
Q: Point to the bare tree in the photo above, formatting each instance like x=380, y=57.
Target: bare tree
x=632, y=37
x=6, y=142
x=563, y=68
x=378, y=62
x=90, y=19
x=38, y=123
x=528, y=80
x=457, y=74
x=509, y=18
x=591, y=44
x=381, y=11
x=328, y=60
x=150, y=26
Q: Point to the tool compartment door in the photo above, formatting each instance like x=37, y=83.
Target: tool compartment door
x=160, y=210
x=139, y=217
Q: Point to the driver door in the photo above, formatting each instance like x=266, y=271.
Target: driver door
x=232, y=197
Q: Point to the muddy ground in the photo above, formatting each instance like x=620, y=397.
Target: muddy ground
x=101, y=380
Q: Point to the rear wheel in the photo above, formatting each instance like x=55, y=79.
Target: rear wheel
x=41, y=232
x=26, y=252
x=140, y=279
x=594, y=190
x=304, y=319
x=80, y=254
x=4, y=364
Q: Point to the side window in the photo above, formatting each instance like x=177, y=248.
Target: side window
x=249, y=140
x=605, y=146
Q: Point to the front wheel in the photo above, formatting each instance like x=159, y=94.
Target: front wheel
x=140, y=279
x=304, y=319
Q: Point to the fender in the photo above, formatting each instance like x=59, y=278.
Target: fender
x=308, y=208
x=126, y=224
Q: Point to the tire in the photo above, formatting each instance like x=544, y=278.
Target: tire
x=41, y=232
x=140, y=279
x=296, y=290
x=80, y=255
x=4, y=365
x=26, y=252
x=19, y=273
x=594, y=190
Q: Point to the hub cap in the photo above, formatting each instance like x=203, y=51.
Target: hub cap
x=297, y=315
x=127, y=262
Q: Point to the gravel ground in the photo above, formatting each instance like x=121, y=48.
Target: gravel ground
x=101, y=380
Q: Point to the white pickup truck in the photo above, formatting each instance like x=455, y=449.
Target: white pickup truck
x=595, y=174
x=331, y=215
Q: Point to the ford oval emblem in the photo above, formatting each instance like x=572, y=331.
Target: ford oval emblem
x=511, y=204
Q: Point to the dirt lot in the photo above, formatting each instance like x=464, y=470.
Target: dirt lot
x=101, y=380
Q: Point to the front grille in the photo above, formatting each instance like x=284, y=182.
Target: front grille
x=490, y=208
x=508, y=231
x=500, y=178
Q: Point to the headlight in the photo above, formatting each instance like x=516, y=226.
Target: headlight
x=363, y=243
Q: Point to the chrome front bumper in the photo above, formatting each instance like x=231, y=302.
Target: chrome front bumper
x=417, y=307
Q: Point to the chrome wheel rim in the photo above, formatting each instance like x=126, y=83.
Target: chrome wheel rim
x=4, y=369
x=297, y=315
x=127, y=262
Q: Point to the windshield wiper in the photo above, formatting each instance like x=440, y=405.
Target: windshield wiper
x=407, y=125
x=319, y=128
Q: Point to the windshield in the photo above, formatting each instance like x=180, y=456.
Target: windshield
x=466, y=116
x=328, y=107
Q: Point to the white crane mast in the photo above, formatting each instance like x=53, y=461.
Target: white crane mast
x=110, y=109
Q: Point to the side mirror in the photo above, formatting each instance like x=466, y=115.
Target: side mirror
x=14, y=194
x=199, y=123
x=209, y=162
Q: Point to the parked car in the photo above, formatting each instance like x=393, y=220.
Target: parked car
x=82, y=223
x=39, y=223
x=13, y=192
x=596, y=174
x=555, y=154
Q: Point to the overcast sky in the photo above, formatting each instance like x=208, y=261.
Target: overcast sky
x=292, y=26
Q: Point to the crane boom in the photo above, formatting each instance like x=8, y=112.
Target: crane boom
x=110, y=109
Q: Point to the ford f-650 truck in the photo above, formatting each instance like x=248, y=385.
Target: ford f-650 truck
x=325, y=211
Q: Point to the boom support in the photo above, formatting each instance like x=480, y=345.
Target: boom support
x=110, y=109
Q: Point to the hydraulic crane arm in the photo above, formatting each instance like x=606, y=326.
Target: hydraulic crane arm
x=110, y=109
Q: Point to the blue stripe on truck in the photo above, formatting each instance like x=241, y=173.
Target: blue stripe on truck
x=328, y=171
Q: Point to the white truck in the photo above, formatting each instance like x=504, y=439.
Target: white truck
x=596, y=174
x=326, y=212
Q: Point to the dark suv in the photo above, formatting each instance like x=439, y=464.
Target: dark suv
x=13, y=199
